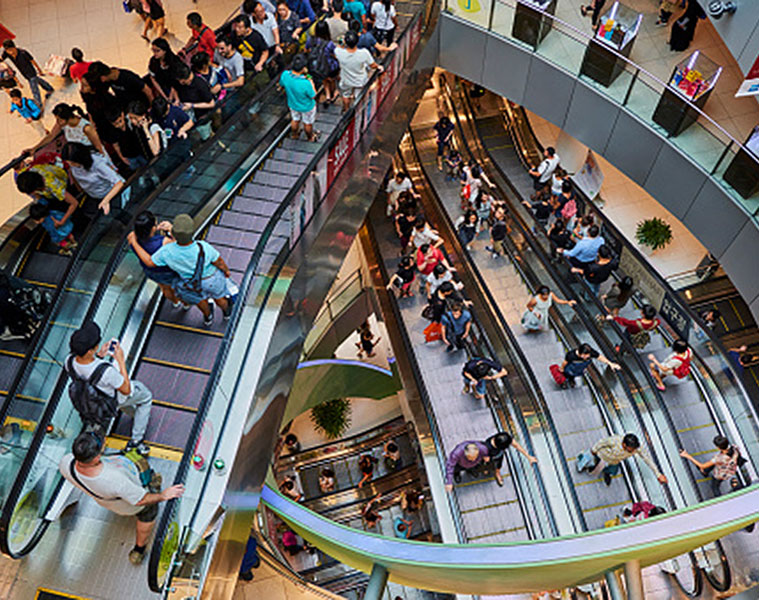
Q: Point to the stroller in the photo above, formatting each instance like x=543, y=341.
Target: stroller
x=22, y=308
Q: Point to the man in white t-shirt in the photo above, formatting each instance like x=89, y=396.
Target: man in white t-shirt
x=114, y=483
x=424, y=234
x=354, y=63
x=398, y=184
x=541, y=175
x=133, y=397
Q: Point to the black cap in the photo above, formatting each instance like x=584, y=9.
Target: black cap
x=85, y=338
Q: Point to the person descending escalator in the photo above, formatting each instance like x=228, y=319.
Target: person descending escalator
x=497, y=445
x=612, y=451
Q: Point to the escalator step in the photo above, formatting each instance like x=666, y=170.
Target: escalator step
x=255, y=206
x=10, y=365
x=44, y=267
x=280, y=166
x=167, y=426
x=186, y=387
x=187, y=318
x=234, y=238
x=274, y=178
x=292, y=156
x=264, y=192
x=235, y=258
x=300, y=146
x=244, y=221
x=183, y=348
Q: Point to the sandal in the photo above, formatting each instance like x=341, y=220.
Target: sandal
x=661, y=388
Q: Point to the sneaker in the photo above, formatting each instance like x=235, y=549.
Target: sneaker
x=136, y=557
x=247, y=576
x=660, y=23
x=185, y=306
x=208, y=321
x=227, y=314
x=571, y=382
x=457, y=477
x=178, y=304
x=141, y=447
x=449, y=348
x=465, y=390
x=583, y=11
x=607, y=479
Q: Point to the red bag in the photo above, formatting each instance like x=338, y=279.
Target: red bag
x=433, y=332
x=557, y=375
x=682, y=370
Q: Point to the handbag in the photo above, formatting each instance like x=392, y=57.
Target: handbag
x=428, y=312
x=531, y=320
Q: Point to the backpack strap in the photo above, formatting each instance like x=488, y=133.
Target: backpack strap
x=72, y=470
x=94, y=379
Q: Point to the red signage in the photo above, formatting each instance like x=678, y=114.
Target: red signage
x=340, y=152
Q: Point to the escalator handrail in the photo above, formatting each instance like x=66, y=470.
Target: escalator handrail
x=588, y=322
x=521, y=369
x=248, y=278
x=71, y=269
x=683, y=306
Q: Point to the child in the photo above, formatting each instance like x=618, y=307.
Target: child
x=366, y=343
x=498, y=232
x=60, y=235
x=453, y=165
x=27, y=110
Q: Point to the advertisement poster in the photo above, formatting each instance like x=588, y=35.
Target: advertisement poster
x=301, y=209
x=339, y=153
x=750, y=85
x=589, y=178
x=644, y=281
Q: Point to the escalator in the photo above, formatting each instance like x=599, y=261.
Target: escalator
x=684, y=416
x=252, y=193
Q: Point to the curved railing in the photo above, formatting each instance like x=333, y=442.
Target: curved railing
x=521, y=567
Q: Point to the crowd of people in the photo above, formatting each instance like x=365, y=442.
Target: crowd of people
x=125, y=120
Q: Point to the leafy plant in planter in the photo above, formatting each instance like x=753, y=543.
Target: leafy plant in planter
x=332, y=417
x=654, y=233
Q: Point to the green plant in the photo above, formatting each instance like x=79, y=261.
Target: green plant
x=654, y=233
x=332, y=417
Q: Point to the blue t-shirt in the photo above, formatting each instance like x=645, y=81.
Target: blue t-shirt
x=356, y=9
x=57, y=234
x=300, y=91
x=173, y=122
x=182, y=259
x=302, y=8
x=456, y=326
x=368, y=41
x=586, y=249
x=28, y=109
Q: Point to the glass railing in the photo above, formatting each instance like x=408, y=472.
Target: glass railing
x=104, y=283
x=706, y=142
x=180, y=527
x=349, y=290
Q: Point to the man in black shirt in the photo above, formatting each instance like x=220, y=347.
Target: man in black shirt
x=196, y=97
x=599, y=271
x=126, y=141
x=126, y=85
x=579, y=359
x=29, y=68
x=477, y=371
x=250, y=44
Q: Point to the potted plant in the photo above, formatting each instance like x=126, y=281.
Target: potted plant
x=654, y=233
x=332, y=417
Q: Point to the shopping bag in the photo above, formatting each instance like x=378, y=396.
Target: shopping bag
x=585, y=461
x=557, y=375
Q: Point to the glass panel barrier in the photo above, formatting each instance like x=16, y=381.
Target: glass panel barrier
x=104, y=285
x=630, y=85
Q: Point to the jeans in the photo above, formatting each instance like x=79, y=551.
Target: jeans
x=135, y=162
x=479, y=387
x=612, y=470
x=34, y=84
x=594, y=287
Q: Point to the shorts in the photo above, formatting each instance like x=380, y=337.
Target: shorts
x=213, y=286
x=348, y=91
x=148, y=514
x=307, y=118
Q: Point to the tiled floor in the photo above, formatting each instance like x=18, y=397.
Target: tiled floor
x=104, y=32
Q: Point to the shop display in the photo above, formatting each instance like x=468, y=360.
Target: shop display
x=532, y=20
x=612, y=42
x=689, y=87
x=742, y=172
x=619, y=26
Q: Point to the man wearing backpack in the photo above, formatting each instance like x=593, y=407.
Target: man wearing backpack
x=119, y=483
x=677, y=364
x=479, y=370
x=27, y=110
x=99, y=388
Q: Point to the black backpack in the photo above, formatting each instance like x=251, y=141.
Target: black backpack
x=318, y=59
x=94, y=406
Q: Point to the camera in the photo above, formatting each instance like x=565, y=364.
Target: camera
x=717, y=8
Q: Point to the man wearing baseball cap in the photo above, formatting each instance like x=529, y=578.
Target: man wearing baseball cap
x=133, y=397
x=201, y=268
